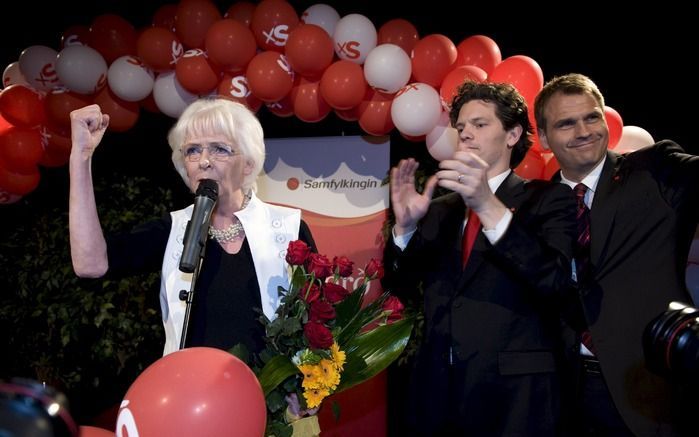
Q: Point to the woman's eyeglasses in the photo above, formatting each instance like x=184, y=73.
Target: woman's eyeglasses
x=217, y=151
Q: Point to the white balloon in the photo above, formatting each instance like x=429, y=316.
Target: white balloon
x=82, y=69
x=416, y=109
x=633, y=138
x=130, y=79
x=13, y=76
x=170, y=97
x=442, y=140
x=387, y=68
x=322, y=15
x=38, y=65
x=354, y=37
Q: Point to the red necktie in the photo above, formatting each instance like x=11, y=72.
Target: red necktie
x=472, y=226
x=582, y=251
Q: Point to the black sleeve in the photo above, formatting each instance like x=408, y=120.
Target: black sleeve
x=139, y=250
x=306, y=236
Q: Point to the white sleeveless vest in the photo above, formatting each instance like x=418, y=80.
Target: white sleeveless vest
x=268, y=229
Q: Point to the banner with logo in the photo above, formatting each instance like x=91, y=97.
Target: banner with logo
x=337, y=183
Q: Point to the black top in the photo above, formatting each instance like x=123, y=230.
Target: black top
x=226, y=303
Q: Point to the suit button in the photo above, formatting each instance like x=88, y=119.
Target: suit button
x=458, y=304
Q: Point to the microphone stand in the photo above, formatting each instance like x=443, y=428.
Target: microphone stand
x=188, y=296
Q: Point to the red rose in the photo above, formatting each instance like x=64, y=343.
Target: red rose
x=343, y=266
x=321, y=311
x=374, y=269
x=395, y=306
x=334, y=293
x=310, y=292
x=297, y=253
x=318, y=335
x=319, y=265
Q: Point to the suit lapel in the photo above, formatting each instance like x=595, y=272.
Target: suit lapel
x=603, y=208
x=508, y=192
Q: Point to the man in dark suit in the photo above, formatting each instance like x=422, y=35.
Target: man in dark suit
x=643, y=213
x=488, y=361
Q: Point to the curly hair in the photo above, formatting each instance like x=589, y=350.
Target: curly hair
x=510, y=108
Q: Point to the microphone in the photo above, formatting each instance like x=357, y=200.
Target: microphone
x=198, y=226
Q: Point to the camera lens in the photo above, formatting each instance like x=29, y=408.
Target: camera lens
x=671, y=343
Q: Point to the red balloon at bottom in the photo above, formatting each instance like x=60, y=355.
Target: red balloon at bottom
x=196, y=391
x=91, y=431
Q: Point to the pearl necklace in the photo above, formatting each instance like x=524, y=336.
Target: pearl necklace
x=233, y=231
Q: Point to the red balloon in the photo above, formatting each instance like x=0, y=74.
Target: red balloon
x=159, y=48
x=348, y=114
x=21, y=149
x=242, y=12
x=112, y=36
x=523, y=72
x=4, y=125
x=230, y=44
x=56, y=149
x=343, y=84
x=58, y=105
x=480, y=51
x=237, y=88
x=8, y=198
x=19, y=184
x=149, y=104
x=196, y=73
x=269, y=76
x=532, y=166
x=75, y=35
x=22, y=106
x=91, y=431
x=615, y=124
x=309, y=50
x=399, y=32
x=308, y=104
x=165, y=17
x=551, y=167
x=198, y=391
x=375, y=113
x=192, y=21
x=282, y=108
x=432, y=58
x=272, y=22
x=123, y=115
x=456, y=78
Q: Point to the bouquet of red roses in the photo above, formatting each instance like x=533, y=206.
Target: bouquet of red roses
x=325, y=337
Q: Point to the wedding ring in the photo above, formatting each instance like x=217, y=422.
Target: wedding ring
x=458, y=179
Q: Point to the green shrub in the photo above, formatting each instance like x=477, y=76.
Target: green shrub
x=88, y=338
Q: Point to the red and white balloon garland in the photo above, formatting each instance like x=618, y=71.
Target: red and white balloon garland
x=307, y=66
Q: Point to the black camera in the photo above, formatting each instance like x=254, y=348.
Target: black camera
x=31, y=409
x=671, y=343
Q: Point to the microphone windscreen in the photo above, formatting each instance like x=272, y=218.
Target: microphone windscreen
x=208, y=188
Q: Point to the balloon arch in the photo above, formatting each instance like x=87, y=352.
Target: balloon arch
x=296, y=65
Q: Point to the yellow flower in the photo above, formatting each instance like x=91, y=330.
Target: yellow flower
x=338, y=356
x=313, y=377
x=331, y=376
x=315, y=396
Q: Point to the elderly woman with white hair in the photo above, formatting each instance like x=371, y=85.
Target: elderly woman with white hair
x=244, y=261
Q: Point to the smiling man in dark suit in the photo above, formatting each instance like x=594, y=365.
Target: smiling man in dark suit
x=643, y=210
x=488, y=363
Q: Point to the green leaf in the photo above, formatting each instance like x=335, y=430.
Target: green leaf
x=349, y=306
x=275, y=372
x=371, y=352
